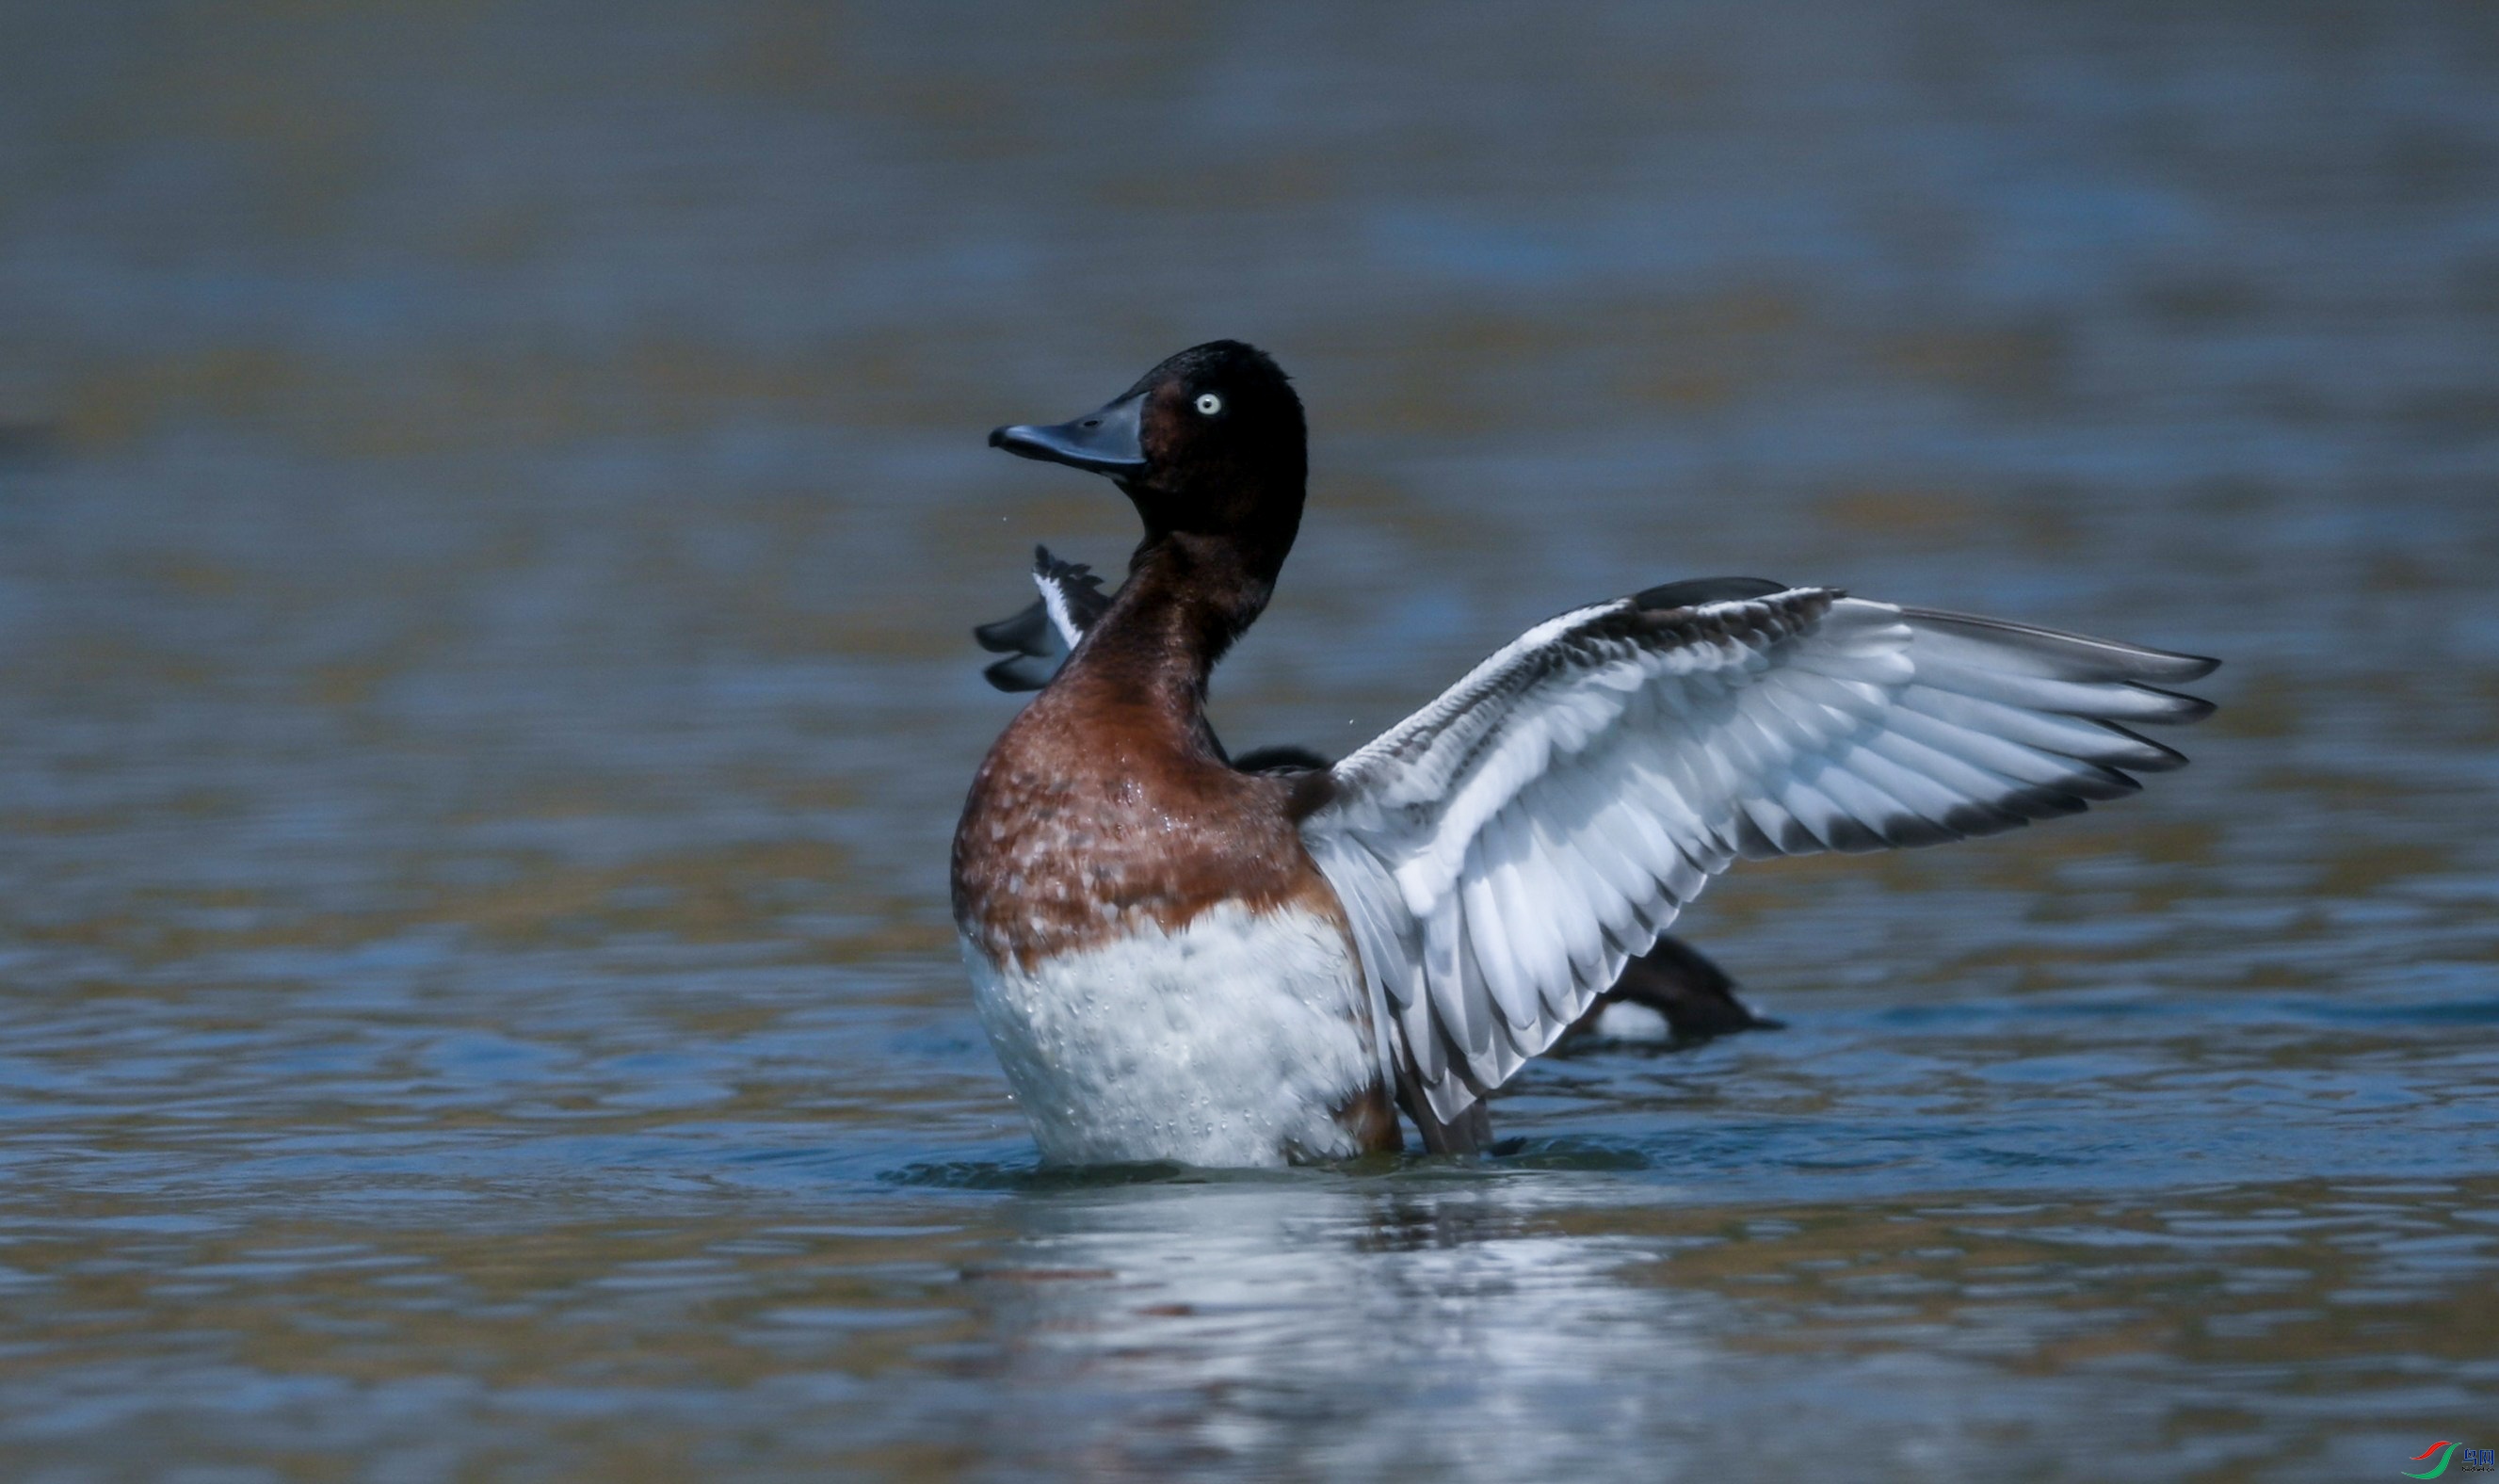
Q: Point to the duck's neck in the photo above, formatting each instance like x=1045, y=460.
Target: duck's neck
x=1187, y=598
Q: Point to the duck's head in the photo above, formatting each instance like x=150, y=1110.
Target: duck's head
x=1210, y=444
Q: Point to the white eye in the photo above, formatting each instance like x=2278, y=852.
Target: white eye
x=1209, y=403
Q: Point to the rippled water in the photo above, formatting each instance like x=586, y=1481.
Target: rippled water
x=490, y=501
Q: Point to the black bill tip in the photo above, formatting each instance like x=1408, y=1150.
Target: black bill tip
x=1107, y=442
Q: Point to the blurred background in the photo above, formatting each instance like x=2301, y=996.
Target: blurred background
x=493, y=499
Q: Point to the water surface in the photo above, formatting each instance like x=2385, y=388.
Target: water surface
x=492, y=501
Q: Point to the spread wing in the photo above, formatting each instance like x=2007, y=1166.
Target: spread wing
x=1503, y=851
x=1036, y=640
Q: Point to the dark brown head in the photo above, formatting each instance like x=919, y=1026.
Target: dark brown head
x=1210, y=444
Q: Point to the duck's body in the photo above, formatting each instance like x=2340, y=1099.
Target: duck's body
x=1673, y=992
x=1180, y=960
x=1238, y=1038
x=1163, y=970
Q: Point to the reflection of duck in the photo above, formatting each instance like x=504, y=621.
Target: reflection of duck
x=1180, y=960
x=1674, y=981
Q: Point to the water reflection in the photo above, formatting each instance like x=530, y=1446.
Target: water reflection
x=1291, y=1324
x=1485, y=1327
x=1476, y=1323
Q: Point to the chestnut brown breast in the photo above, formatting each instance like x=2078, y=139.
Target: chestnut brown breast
x=1100, y=810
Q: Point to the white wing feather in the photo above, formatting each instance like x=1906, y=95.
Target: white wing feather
x=1505, y=850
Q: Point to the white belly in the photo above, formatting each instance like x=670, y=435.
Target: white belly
x=1230, y=1042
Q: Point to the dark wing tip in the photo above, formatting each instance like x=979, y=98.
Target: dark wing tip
x=2153, y=757
x=1026, y=632
x=1850, y=837
x=1751, y=844
x=1019, y=674
x=2074, y=656
x=1909, y=832
x=2184, y=710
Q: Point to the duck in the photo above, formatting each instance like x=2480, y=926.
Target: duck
x=1180, y=960
x=1674, y=994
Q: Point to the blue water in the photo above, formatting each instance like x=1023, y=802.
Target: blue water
x=492, y=502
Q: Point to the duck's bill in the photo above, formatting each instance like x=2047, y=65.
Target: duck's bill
x=1105, y=443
